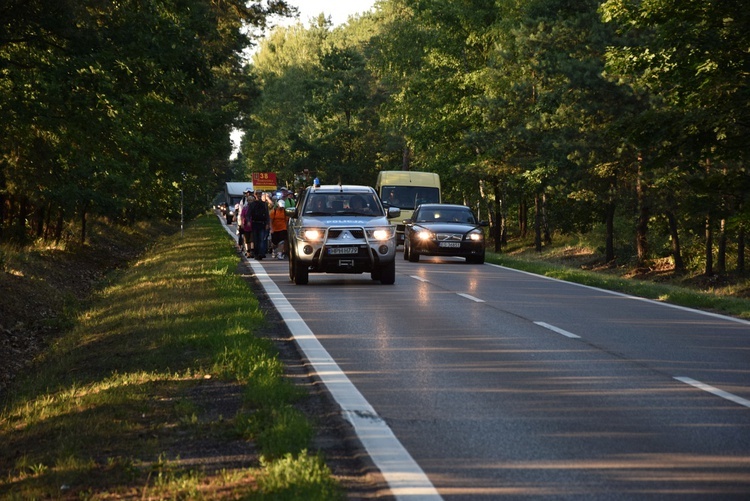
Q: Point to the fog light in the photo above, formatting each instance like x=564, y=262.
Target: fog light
x=307, y=249
x=383, y=249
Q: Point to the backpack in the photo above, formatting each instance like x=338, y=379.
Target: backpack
x=259, y=212
x=247, y=223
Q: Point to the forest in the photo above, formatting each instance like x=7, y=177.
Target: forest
x=624, y=120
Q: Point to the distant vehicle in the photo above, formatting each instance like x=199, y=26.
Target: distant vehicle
x=406, y=190
x=233, y=193
x=341, y=229
x=444, y=230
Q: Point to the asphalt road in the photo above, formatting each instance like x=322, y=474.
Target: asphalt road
x=506, y=385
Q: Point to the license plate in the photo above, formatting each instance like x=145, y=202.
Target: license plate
x=339, y=251
x=450, y=244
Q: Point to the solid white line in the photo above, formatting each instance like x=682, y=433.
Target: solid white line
x=715, y=391
x=614, y=293
x=558, y=330
x=415, y=277
x=469, y=296
x=404, y=476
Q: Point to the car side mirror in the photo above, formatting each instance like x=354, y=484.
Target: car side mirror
x=290, y=212
x=483, y=223
x=408, y=221
x=393, y=212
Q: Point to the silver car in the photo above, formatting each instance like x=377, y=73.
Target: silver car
x=341, y=229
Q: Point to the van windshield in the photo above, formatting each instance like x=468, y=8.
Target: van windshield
x=409, y=197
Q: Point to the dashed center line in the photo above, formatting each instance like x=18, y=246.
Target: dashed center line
x=469, y=296
x=714, y=391
x=558, y=330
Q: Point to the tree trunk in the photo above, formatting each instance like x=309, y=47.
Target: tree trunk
x=83, y=224
x=721, y=253
x=523, y=217
x=545, y=221
x=406, y=158
x=609, y=245
x=537, y=223
x=709, y=271
x=497, y=223
x=679, y=265
x=641, y=228
x=741, y=249
x=59, y=226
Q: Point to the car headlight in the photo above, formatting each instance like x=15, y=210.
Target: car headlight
x=475, y=236
x=311, y=234
x=424, y=235
x=380, y=233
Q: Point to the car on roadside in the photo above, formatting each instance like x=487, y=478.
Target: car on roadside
x=341, y=229
x=444, y=230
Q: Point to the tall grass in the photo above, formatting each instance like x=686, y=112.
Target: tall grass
x=109, y=408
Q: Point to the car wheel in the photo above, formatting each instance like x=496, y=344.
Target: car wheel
x=301, y=273
x=413, y=255
x=406, y=250
x=388, y=273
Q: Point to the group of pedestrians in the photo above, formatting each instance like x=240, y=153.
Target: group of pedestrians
x=262, y=223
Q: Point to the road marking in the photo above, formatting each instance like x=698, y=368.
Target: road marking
x=415, y=277
x=628, y=296
x=715, y=391
x=558, y=330
x=405, y=478
x=469, y=296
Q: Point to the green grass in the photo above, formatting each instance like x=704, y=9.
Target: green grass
x=108, y=408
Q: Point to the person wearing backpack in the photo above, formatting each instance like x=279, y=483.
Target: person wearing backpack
x=244, y=223
x=260, y=225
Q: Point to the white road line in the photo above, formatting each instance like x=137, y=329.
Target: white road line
x=715, y=391
x=469, y=296
x=404, y=476
x=621, y=294
x=415, y=277
x=558, y=330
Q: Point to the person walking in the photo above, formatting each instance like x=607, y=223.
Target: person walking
x=261, y=225
x=244, y=223
x=278, y=229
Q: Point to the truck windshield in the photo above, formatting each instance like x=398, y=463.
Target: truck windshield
x=409, y=197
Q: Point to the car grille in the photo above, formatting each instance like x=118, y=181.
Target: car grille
x=449, y=237
x=335, y=233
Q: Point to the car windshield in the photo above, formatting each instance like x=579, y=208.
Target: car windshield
x=342, y=204
x=445, y=216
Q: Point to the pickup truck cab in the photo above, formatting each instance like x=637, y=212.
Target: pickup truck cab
x=341, y=229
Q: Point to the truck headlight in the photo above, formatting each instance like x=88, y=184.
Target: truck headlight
x=311, y=234
x=380, y=233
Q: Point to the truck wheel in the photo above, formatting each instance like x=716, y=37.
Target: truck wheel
x=301, y=273
x=375, y=273
x=291, y=267
x=388, y=273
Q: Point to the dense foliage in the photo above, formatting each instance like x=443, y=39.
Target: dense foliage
x=620, y=119
x=628, y=120
x=113, y=109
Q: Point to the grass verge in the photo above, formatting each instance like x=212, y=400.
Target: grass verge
x=163, y=389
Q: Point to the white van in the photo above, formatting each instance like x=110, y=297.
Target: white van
x=406, y=190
